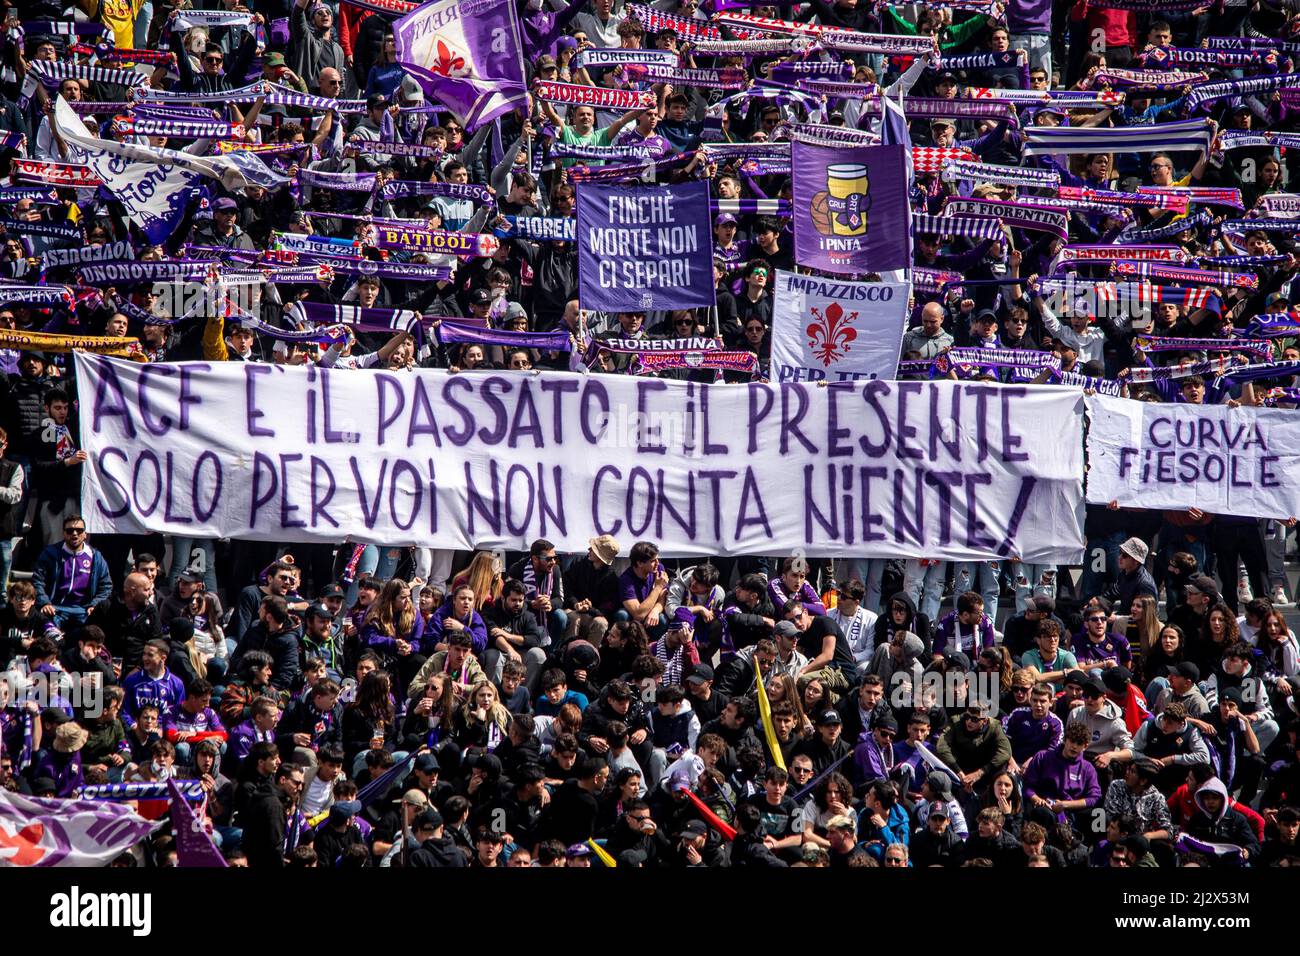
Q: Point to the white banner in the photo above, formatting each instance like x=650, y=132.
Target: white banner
x=956, y=470
x=1238, y=461
x=831, y=330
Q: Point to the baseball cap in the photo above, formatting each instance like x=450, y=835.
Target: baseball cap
x=830, y=718
x=318, y=610
x=415, y=798
x=723, y=218
x=1117, y=680
x=426, y=763
x=985, y=315
x=577, y=850
x=1067, y=338
x=480, y=297
x=1203, y=584
x=1275, y=297
x=700, y=673
x=785, y=629
x=193, y=574
x=333, y=591
x=695, y=828
x=946, y=76
x=938, y=809
x=1078, y=677
x=273, y=59
x=1233, y=694
x=1187, y=670
x=429, y=818
x=345, y=809
x=225, y=204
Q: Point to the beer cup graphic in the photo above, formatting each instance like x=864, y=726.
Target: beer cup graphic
x=846, y=200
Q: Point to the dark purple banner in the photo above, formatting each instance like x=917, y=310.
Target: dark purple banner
x=643, y=248
x=850, y=208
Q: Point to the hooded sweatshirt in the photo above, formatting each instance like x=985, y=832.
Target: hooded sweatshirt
x=1226, y=826
x=918, y=624
x=1106, y=727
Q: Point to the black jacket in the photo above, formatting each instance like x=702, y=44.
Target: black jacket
x=438, y=852
x=125, y=631
x=286, y=670
x=570, y=817
x=261, y=815
x=918, y=624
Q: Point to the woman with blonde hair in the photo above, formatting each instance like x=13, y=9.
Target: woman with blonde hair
x=485, y=574
x=1142, y=628
x=482, y=721
x=783, y=687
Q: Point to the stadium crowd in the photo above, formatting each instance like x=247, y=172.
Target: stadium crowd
x=361, y=705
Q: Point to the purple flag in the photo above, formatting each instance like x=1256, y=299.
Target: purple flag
x=194, y=846
x=644, y=248
x=449, y=332
x=466, y=54
x=38, y=831
x=850, y=208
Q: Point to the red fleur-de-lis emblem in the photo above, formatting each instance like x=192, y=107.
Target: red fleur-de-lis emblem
x=829, y=336
x=447, y=62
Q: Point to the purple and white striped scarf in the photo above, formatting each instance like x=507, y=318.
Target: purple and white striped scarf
x=277, y=95
x=967, y=227
x=1259, y=348
x=1152, y=270
x=1253, y=373
x=1102, y=386
x=1148, y=79
x=179, y=128
x=836, y=135
x=400, y=188
x=305, y=314
x=982, y=61
x=117, y=273
x=78, y=255
x=839, y=89
x=729, y=79
x=394, y=149
x=613, y=174
x=1243, y=262
x=793, y=69
x=210, y=19
x=1162, y=57
x=1198, y=195
x=1239, y=139
x=343, y=182
x=1025, y=177
x=1210, y=92
x=170, y=111
x=54, y=72
x=934, y=280
x=888, y=44
x=148, y=94
x=1163, y=373
x=1156, y=233
x=48, y=230
x=574, y=151
x=62, y=28
x=1012, y=214
x=1268, y=225
x=653, y=21
x=787, y=44
x=36, y=194
x=450, y=332
x=599, y=97
x=596, y=57
x=353, y=266
x=1079, y=206
x=751, y=207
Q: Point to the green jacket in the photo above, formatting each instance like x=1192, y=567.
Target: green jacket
x=989, y=750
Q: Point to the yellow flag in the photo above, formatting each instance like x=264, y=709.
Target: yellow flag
x=765, y=713
x=601, y=854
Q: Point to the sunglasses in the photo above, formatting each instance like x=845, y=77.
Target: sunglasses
x=74, y=530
